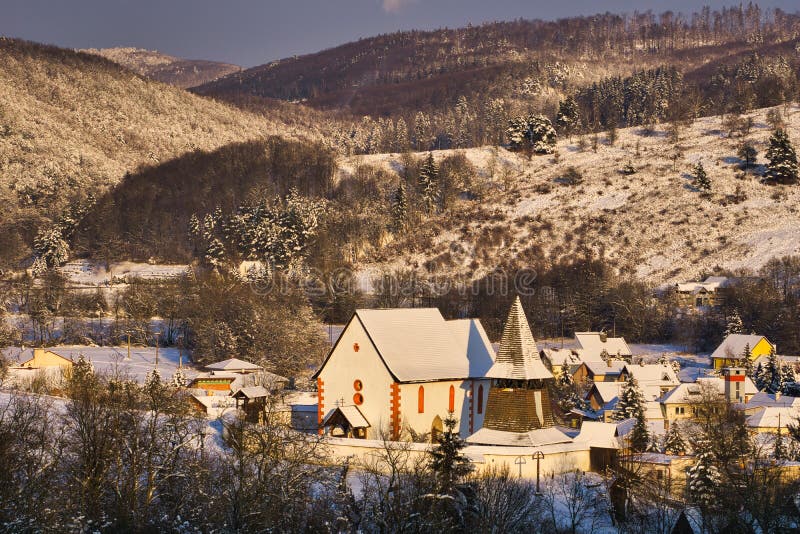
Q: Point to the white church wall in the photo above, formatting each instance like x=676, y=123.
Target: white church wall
x=345, y=366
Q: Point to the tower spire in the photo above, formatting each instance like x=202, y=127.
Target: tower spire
x=518, y=358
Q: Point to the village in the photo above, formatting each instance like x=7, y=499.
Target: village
x=409, y=378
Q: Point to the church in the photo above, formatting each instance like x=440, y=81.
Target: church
x=398, y=373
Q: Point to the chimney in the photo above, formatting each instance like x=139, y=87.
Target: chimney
x=608, y=362
x=777, y=395
x=603, y=337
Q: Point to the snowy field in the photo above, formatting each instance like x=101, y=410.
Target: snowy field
x=88, y=273
x=113, y=361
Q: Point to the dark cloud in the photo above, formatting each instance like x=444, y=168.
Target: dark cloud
x=250, y=32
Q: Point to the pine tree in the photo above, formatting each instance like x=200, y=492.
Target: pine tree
x=780, y=451
x=782, y=158
x=401, y=136
x=534, y=132
x=733, y=324
x=787, y=381
x=674, y=443
x=703, y=477
x=422, y=131
x=701, y=178
x=429, y=184
x=771, y=377
x=631, y=401
x=50, y=245
x=447, y=461
x=179, y=379
x=759, y=378
x=400, y=208
x=639, y=437
x=748, y=153
x=567, y=116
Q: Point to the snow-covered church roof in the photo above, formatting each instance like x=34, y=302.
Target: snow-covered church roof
x=518, y=358
x=417, y=344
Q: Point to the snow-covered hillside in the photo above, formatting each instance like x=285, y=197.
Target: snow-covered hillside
x=653, y=223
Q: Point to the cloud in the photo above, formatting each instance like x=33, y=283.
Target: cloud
x=394, y=6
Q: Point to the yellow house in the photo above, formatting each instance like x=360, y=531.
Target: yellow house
x=735, y=346
x=43, y=358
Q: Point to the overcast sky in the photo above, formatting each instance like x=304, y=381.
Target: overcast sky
x=252, y=32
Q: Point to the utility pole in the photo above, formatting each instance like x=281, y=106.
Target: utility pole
x=129, y=345
x=157, y=334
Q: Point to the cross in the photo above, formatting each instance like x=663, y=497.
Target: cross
x=538, y=456
x=520, y=461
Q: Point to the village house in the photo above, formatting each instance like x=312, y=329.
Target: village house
x=686, y=400
x=398, y=371
x=597, y=347
x=661, y=375
x=603, y=398
x=607, y=371
x=234, y=384
x=733, y=349
x=710, y=293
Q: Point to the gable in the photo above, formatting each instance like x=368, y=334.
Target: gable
x=354, y=347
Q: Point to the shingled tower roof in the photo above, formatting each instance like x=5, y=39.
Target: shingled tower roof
x=518, y=358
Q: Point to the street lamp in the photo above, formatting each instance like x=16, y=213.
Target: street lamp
x=538, y=456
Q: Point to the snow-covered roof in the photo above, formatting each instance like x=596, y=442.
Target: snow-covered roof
x=417, y=344
x=610, y=367
x=252, y=392
x=351, y=413
x=533, y=438
x=774, y=417
x=609, y=392
x=712, y=283
x=592, y=345
x=766, y=400
x=653, y=374
x=599, y=434
x=518, y=357
x=693, y=391
x=233, y=365
x=733, y=346
x=558, y=357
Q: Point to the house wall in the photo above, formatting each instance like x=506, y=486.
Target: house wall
x=45, y=358
x=437, y=401
x=762, y=348
x=355, y=358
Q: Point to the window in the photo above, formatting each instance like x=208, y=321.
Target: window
x=358, y=399
x=421, y=400
x=451, y=406
x=480, y=398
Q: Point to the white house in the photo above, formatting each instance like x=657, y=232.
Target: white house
x=404, y=370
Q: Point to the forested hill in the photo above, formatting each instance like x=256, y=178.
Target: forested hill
x=165, y=68
x=73, y=124
x=529, y=64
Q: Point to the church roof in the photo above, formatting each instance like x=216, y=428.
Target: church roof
x=518, y=357
x=418, y=345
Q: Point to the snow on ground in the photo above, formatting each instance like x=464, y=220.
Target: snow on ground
x=113, y=361
x=653, y=223
x=89, y=273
